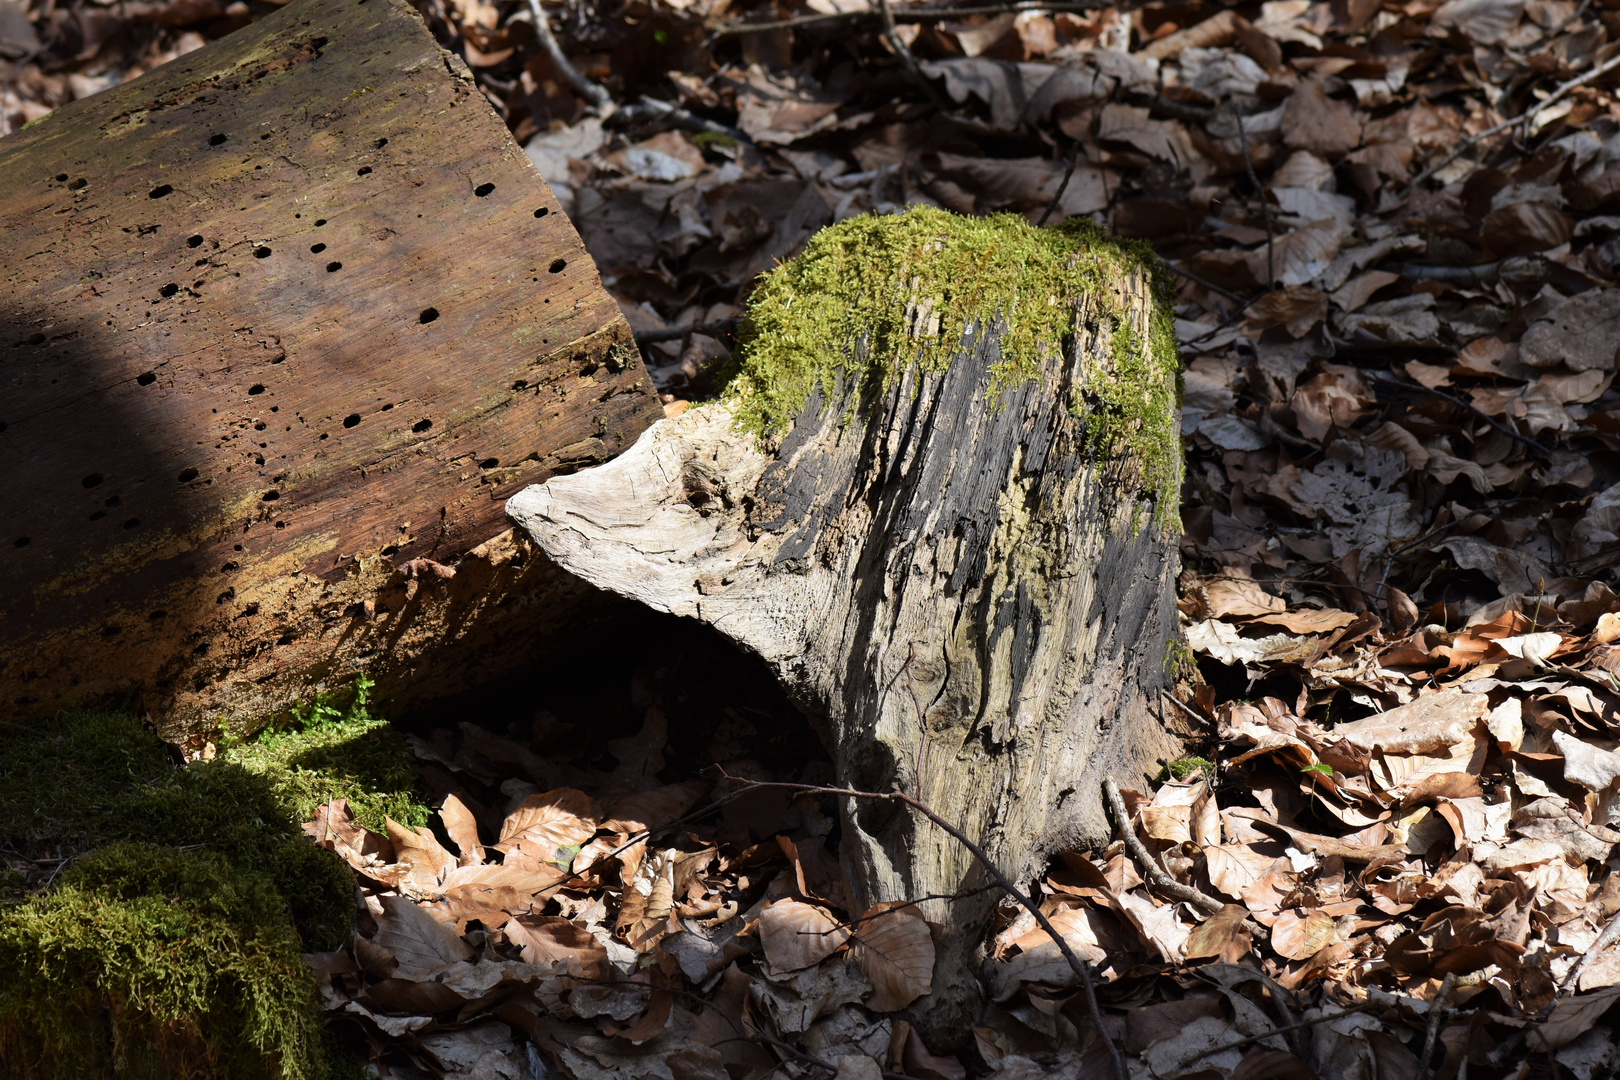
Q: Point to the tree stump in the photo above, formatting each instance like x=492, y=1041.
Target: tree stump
x=283, y=323
x=960, y=554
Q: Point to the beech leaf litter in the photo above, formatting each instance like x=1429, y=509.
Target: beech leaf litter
x=1396, y=228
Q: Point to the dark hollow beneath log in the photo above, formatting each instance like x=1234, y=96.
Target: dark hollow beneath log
x=280, y=320
x=976, y=595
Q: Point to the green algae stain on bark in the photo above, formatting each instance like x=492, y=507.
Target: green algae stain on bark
x=870, y=296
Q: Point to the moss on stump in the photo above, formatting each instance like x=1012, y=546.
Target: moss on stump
x=168, y=943
x=869, y=296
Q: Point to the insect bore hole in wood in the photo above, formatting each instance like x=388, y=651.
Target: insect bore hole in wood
x=256, y=388
x=160, y=191
x=261, y=253
x=421, y=426
x=428, y=315
x=187, y=475
x=352, y=420
x=483, y=189
x=333, y=267
x=362, y=170
x=147, y=378
x=558, y=265
x=316, y=249
x=542, y=212
x=217, y=140
x=92, y=480
x=169, y=290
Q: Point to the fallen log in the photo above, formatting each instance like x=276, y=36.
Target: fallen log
x=283, y=323
x=939, y=500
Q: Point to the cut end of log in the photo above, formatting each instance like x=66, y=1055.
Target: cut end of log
x=280, y=316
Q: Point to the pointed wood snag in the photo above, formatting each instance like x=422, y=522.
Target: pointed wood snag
x=939, y=501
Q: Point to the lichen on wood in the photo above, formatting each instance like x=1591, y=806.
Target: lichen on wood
x=873, y=295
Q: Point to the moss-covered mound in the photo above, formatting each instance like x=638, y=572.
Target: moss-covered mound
x=873, y=294
x=165, y=939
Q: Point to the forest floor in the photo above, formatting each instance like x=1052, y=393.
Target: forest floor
x=1396, y=228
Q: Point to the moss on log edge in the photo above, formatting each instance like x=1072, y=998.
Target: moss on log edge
x=869, y=296
x=170, y=941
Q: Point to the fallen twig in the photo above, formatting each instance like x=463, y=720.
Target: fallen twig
x=1496, y=129
x=675, y=333
x=900, y=49
x=1188, y=709
x=592, y=92
x=685, y=118
x=1068, y=174
x=1155, y=874
x=1605, y=940
x=915, y=15
x=1437, y=1010
x=1250, y=1040
x=1530, y=444
x=1265, y=207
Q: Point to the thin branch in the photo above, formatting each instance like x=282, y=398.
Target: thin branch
x=1210, y=285
x=685, y=118
x=1155, y=874
x=1068, y=174
x=1605, y=940
x=1265, y=207
x=1188, y=709
x=1078, y=966
x=915, y=15
x=1437, y=1010
x=1530, y=444
x=675, y=333
x=1250, y=1040
x=900, y=49
x=592, y=92
x=1496, y=129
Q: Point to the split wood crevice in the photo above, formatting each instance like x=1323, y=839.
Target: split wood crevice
x=975, y=608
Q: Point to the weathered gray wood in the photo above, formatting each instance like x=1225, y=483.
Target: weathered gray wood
x=979, y=611
x=279, y=318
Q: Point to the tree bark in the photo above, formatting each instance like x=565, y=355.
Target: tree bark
x=979, y=610
x=280, y=320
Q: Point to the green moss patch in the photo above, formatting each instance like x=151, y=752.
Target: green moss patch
x=872, y=295
x=167, y=940
x=325, y=752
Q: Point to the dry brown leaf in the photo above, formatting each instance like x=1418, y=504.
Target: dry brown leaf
x=1300, y=937
x=1221, y=935
x=1219, y=29
x=896, y=953
x=796, y=935
x=417, y=941
x=1313, y=121
x=653, y=808
x=1583, y=333
x=557, y=943
x=647, y=907
x=1432, y=722
x=425, y=861
x=1297, y=308
x=547, y=826
x=463, y=830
